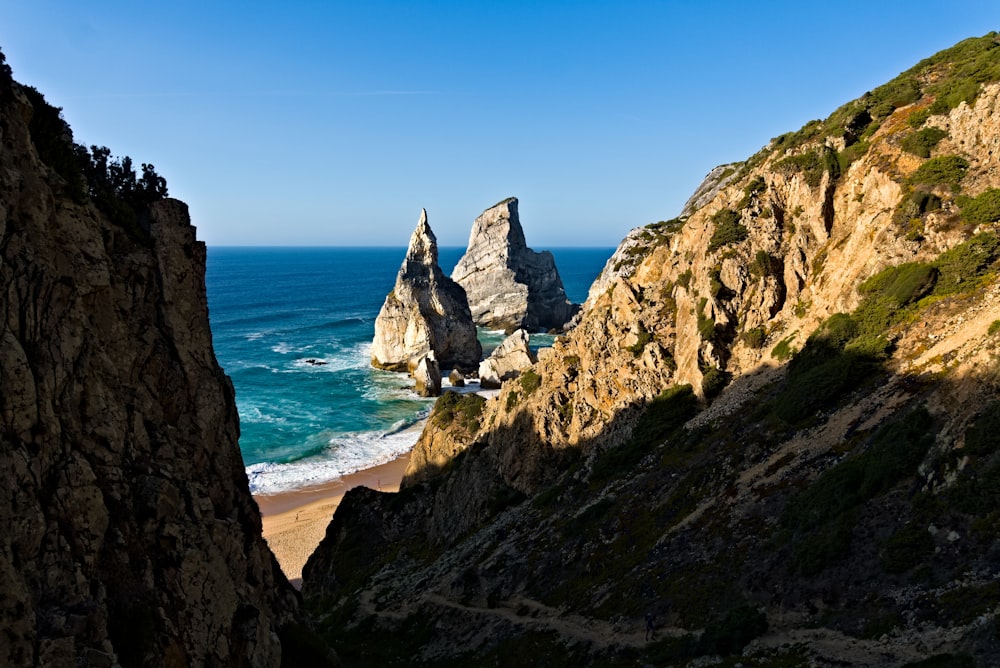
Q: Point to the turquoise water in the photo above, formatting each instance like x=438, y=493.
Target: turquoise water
x=293, y=328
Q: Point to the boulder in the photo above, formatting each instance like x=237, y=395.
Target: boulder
x=427, y=373
x=510, y=286
x=506, y=361
x=456, y=378
x=425, y=312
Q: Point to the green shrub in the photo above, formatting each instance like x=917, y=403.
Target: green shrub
x=982, y=209
x=849, y=155
x=963, y=267
x=713, y=381
x=764, y=264
x=464, y=409
x=906, y=549
x=665, y=414
x=513, y=398
x=706, y=326
x=684, y=279
x=644, y=337
x=728, y=229
x=819, y=518
x=918, y=118
x=783, y=350
x=811, y=165
x=530, y=381
x=111, y=184
x=994, y=328
x=823, y=384
x=902, y=284
x=943, y=170
x=666, y=226
x=983, y=436
x=921, y=143
x=755, y=337
x=753, y=189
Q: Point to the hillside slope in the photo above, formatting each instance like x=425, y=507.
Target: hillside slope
x=772, y=431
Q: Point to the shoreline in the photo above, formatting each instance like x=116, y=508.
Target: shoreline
x=295, y=522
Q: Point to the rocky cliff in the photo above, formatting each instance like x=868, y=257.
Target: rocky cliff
x=772, y=433
x=130, y=536
x=425, y=312
x=509, y=285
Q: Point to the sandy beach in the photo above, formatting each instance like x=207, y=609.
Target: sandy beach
x=295, y=522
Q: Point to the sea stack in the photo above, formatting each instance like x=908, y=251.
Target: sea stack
x=425, y=312
x=510, y=286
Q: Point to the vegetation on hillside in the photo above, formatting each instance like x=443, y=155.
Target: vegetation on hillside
x=939, y=83
x=111, y=183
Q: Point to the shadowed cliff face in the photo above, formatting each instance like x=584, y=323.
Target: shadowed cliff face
x=130, y=536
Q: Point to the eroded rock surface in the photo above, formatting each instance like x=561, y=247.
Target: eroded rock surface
x=129, y=533
x=507, y=361
x=510, y=286
x=426, y=311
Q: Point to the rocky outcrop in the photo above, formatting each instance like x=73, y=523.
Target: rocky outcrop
x=129, y=533
x=427, y=375
x=451, y=428
x=509, y=285
x=710, y=186
x=425, y=312
x=507, y=361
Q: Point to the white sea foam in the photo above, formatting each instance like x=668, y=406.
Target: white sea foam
x=322, y=364
x=284, y=348
x=346, y=454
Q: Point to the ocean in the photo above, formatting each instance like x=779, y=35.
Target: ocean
x=293, y=329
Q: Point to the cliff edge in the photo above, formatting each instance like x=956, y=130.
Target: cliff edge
x=130, y=536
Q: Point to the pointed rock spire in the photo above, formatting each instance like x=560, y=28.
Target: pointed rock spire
x=426, y=312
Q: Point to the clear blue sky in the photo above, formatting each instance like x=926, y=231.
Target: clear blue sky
x=333, y=123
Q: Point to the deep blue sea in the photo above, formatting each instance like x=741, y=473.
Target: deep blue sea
x=293, y=328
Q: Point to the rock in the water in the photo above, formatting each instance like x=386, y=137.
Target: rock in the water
x=506, y=361
x=510, y=286
x=426, y=311
x=456, y=378
x=427, y=373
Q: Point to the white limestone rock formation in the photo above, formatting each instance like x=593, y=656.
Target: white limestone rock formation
x=425, y=312
x=427, y=373
x=510, y=286
x=506, y=361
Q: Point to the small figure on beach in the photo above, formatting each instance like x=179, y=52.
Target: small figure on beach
x=650, y=625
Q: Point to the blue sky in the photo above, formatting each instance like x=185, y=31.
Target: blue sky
x=333, y=123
